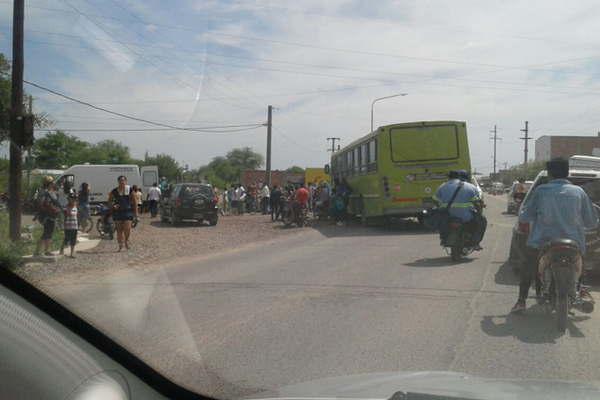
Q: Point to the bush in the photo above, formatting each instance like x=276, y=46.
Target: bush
x=11, y=254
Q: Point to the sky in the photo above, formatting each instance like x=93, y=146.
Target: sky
x=207, y=63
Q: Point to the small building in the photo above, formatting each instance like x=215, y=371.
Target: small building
x=548, y=147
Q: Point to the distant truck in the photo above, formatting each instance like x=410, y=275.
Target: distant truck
x=103, y=178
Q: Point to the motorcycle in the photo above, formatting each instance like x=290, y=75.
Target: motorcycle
x=559, y=268
x=518, y=199
x=292, y=214
x=105, y=224
x=457, y=239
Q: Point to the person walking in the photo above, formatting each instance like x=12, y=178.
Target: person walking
x=124, y=210
x=137, y=194
x=48, y=210
x=225, y=201
x=70, y=225
x=153, y=198
x=83, y=200
x=275, y=200
x=241, y=196
x=265, y=199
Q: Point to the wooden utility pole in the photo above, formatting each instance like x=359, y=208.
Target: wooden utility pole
x=333, y=139
x=526, y=139
x=16, y=123
x=269, y=124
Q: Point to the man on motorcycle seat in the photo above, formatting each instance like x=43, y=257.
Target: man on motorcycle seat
x=467, y=205
x=301, y=197
x=555, y=210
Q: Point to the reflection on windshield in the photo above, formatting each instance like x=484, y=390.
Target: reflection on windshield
x=289, y=271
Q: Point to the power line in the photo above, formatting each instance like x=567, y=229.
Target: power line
x=318, y=66
x=172, y=127
x=137, y=130
x=298, y=44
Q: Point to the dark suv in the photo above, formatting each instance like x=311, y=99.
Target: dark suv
x=588, y=180
x=190, y=201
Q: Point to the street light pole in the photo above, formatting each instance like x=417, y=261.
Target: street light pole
x=383, y=98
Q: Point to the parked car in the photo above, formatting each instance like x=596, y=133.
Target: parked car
x=190, y=201
x=589, y=180
x=513, y=204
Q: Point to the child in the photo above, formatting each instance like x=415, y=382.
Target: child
x=70, y=225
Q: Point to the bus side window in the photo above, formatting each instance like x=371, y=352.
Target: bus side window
x=364, y=157
x=372, y=166
x=356, y=163
x=349, y=165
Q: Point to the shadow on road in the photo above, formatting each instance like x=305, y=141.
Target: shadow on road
x=534, y=326
x=438, y=262
x=183, y=224
x=355, y=228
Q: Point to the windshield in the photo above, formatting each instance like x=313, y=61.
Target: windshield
x=429, y=143
x=248, y=195
x=190, y=191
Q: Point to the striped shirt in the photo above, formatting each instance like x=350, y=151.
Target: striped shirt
x=71, y=218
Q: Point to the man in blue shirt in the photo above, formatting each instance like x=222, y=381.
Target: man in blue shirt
x=555, y=210
x=466, y=205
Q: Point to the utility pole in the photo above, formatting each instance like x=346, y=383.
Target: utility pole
x=269, y=125
x=526, y=139
x=16, y=123
x=333, y=139
x=495, y=138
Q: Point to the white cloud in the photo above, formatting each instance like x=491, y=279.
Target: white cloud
x=460, y=60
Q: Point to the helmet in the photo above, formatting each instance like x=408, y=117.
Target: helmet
x=463, y=175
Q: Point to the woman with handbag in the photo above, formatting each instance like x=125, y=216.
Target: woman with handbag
x=124, y=207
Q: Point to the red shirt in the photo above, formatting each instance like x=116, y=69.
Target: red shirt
x=302, y=196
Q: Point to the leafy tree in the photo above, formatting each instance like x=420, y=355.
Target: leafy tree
x=58, y=149
x=167, y=165
x=3, y=175
x=244, y=158
x=510, y=175
x=4, y=97
x=295, y=170
x=40, y=120
x=108, y=152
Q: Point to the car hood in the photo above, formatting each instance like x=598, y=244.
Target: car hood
x=378, y=386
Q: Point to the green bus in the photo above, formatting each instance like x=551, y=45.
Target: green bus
x=395, y=170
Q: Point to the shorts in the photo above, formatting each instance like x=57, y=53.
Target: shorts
x=70, y=237
x=49, y=225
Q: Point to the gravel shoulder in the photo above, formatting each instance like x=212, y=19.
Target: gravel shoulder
x=154, y=244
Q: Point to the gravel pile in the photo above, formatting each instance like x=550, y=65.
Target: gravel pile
x=153, y=242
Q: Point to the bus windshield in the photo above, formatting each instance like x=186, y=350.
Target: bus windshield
x=424, y=143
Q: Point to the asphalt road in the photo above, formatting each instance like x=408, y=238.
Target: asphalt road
x=335, y=301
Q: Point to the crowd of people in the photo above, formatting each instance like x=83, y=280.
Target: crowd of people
x=321, y=199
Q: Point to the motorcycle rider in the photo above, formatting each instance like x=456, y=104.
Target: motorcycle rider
x=467, y=205
x=301, y=197
x=556, y=210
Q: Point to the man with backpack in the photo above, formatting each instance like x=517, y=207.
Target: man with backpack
x=464, y=203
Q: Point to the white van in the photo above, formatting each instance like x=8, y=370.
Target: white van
x=103, y=178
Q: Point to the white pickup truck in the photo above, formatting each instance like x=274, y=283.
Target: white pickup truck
x=103, y=178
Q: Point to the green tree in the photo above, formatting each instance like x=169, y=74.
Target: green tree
x=167, y=165
x=58, y=149
x=244, y=158
x=295, y=170
x=41, y=120
x=108, y=152
x=4, y=97
x=3, y=175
